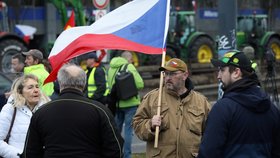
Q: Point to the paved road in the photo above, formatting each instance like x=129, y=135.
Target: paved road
x=137, y=146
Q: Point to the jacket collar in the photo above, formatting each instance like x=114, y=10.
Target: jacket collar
x=33, y=67
x=27, y=111
x=71, y=90
x=242, y=84
x=188, y=85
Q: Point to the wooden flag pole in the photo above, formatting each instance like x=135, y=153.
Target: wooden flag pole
x=159, y=98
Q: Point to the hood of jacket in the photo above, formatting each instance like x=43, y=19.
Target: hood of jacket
x=189, y=85
x=117, y=62
x=248, y=94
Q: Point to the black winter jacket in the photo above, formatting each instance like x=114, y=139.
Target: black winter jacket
x=73, y=126
x=244, y=123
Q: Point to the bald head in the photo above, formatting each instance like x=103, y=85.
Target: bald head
x=249, y=51
x=71, y=76
x=73, y=70
x=128, y=56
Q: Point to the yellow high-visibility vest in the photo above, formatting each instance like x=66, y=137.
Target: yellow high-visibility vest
x=91, y=84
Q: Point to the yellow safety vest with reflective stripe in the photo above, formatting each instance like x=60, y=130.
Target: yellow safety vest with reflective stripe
x=91, y=84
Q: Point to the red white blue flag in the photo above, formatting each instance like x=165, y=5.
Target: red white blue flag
x=25, y=31
x=140, y=25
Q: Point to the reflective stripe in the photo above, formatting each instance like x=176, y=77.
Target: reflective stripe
x=107, y=84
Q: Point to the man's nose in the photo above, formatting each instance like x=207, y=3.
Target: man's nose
x=219, y=74
x=37, y=89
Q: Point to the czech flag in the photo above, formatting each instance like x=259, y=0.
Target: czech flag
x=25, y=31
x=139, y=25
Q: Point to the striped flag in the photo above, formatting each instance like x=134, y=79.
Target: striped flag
x=139, y=25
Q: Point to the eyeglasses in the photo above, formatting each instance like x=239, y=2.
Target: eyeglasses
x=171, y=74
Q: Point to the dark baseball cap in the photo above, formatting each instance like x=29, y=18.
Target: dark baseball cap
x=92, y=55
x=174, y=64
x=35, y=53
x=235, y=58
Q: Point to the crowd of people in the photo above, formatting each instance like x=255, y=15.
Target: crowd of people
x=79, y=116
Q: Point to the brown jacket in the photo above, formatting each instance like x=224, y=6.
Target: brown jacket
x=182, y=125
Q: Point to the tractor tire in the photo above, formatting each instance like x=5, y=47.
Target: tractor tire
x=274, y=44
x=8, y=48
x=202, y=50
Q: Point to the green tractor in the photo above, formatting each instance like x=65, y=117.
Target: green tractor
x=10, y=43
x=185, y=42
x=253, y=30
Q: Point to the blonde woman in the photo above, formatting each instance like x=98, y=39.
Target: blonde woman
x=26, y=98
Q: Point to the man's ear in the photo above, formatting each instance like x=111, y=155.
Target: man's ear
x=237, y=74
x=36, y=61
x=186, y=75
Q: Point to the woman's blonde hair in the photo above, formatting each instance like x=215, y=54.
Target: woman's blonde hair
x=17, y=90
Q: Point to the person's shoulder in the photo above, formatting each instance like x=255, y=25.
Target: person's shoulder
x=36, y=67
x=198, y=94
x=100, y=69
x=7, y=107
x=117, y=62
x=130, y=66
x=94, y=102
x=44, y=106
x=53, y=104
x=36, y=70
x=84, y=101
x=151, y=93
x=225, y=103
x=99, y=107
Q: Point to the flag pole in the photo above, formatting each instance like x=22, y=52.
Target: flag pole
x=159, y=98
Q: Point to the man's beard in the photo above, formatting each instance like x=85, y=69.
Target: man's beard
x=226, y=86
x=170, y=86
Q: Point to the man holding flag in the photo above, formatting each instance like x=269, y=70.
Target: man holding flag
x=181, y=120
x=144, y=30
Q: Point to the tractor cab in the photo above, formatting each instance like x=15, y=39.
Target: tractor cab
x=253, y=30
x=186, y=42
